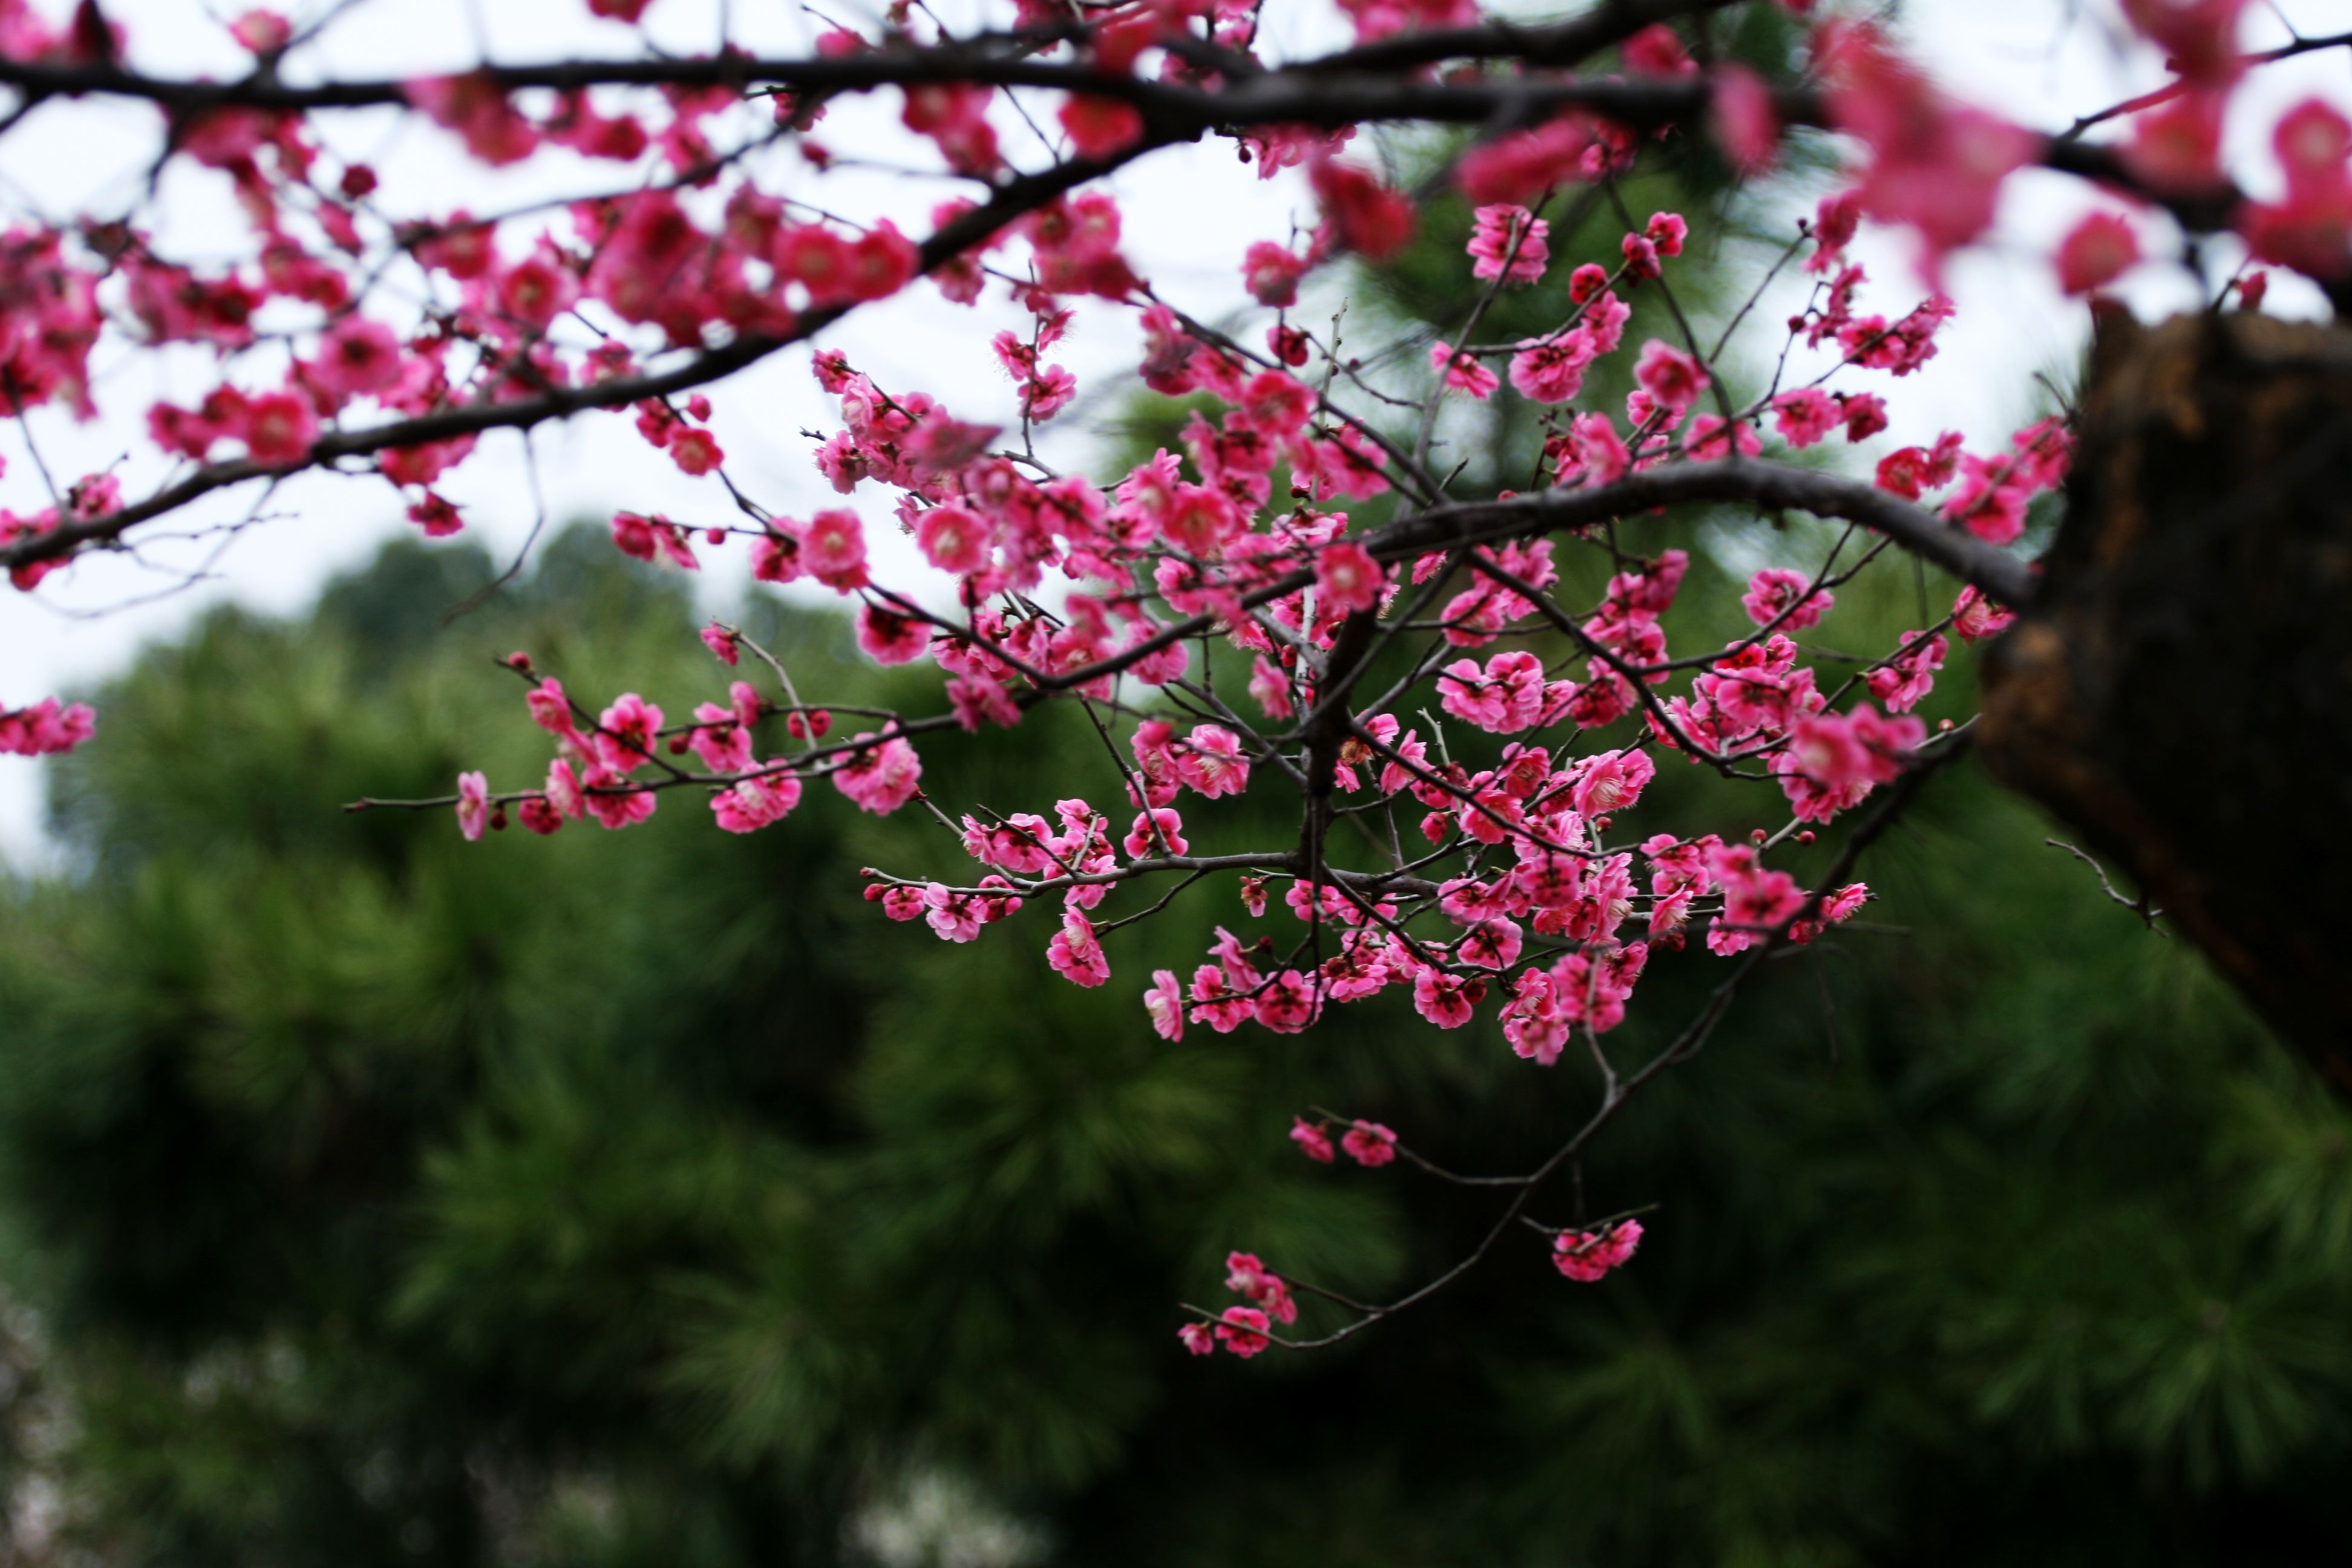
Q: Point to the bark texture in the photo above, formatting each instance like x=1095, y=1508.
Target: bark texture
x=2180, y=691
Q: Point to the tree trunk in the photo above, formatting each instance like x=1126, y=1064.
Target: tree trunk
x=2181, y=691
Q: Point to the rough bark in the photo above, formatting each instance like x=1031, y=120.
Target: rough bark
x=2180, y=692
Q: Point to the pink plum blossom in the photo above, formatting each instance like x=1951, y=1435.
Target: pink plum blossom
x=1348, y=581
x=1312, y=1140
x=1589, y=1255
x=881, y=778
x=1505, y=235
x=1672, y=377
x=1463, y=371
x=1369, y=1143
x=473, y=805
x=1779, y=593
x=1210, y=761
x=1073, y=952
x=1243, y=1330
x=751, y=803
x=1164, y=1001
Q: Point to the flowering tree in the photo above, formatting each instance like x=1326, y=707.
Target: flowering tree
x=1301, y=601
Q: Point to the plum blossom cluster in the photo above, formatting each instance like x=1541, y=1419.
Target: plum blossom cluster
x=1526, y=895
x=1367, y=1143
x=1245, y=1331
x=1589, y=1255
x=1292, y=594
x=45, y=729
x=602, y=760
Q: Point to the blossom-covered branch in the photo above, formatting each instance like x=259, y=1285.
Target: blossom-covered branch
x=1469, y=690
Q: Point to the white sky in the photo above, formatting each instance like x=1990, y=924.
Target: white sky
x=1190, y=212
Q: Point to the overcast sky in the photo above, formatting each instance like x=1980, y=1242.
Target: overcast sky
x=1190, y=212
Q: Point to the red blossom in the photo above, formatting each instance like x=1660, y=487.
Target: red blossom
x=1365, y=216
x=1100, y=127
x=2096, y=252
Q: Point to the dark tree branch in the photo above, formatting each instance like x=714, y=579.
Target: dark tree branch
x=1999, y=574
